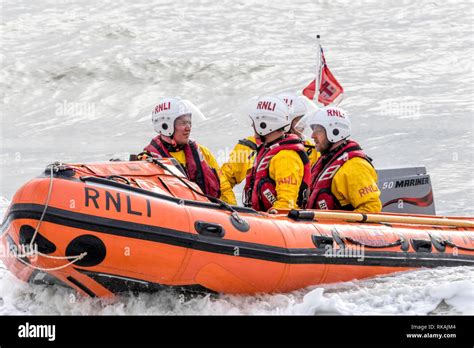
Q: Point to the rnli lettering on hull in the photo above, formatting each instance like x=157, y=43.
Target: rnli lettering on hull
x=114, y=201
x=412, y=182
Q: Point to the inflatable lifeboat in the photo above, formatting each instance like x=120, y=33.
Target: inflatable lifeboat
x=136, y=226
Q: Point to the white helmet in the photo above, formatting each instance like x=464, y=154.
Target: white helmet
x=167, y=110
x=333, y=119
x=295, y=103
x=269, y=114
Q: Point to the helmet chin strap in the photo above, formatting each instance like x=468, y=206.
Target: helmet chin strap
x=173, y=146
x=325, y=151
x=173, y=142
x=335, y=149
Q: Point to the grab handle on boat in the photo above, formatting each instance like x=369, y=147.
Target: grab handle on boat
x=118, y=177
x=209, y=229
x=322, y=242
x=421, y=245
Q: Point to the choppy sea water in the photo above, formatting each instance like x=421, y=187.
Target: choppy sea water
x=79, y=78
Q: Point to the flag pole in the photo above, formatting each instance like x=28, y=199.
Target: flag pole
x=318, y=75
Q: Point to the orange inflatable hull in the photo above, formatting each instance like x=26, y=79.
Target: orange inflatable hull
x=141, y=229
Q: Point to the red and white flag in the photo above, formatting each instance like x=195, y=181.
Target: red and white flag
x=329, y=88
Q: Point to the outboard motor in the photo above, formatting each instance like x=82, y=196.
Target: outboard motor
x=406, y=190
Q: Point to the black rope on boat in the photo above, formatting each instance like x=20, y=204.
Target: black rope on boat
x=218, y=201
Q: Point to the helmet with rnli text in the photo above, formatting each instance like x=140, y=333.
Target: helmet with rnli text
x=295, y=103
x=333, y=119
x=166, y=111
x=269, y=114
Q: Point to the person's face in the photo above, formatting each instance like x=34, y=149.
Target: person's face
x=182, y=129
x=320, y=139
x=296, y=130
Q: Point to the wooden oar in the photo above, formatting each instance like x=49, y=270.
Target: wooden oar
x=360, y=217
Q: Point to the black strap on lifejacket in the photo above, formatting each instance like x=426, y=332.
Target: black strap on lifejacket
x=199, y=172
x=159, y=149
x=309, y=149
x=249, y=144
x=303, y=155
x=303, y=193
x=291, y=141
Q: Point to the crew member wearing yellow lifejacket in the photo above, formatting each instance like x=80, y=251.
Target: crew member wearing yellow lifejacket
x=241, y=160
x=344, y=177
x=242, y=155
x=172, y=121
x=281, y=173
